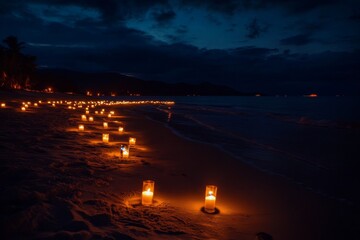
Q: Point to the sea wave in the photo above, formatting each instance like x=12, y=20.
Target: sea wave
x=276, y=143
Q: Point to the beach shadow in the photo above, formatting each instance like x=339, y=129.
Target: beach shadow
x=217, y=211
x=136, y=203
x=263, y=236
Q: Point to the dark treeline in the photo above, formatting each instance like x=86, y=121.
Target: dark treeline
x=18, y=71
x=110, y=83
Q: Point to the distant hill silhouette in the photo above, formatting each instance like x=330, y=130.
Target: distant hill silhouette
x=109, y=82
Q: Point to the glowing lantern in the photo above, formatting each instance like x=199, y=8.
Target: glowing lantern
x=91, y=119
x=3, y=105
x=23, y=109
x=112, y=112
x=148, y=192
x=121, y=129
x=105, y=124
x=81, y=127
x=83, y=117
x=96, y=112
x=105, y=137
x=35, y=104
x=109, y=116
x=53, y=105
x=132, y=141
x=124, y=151
x=210, y=198
x=87, y=112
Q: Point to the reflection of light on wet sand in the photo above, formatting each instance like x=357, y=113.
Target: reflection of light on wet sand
x=142, y=148
x=100, y=142
x=169, y=116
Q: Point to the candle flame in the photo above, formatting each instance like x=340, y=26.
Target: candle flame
x=148, y=190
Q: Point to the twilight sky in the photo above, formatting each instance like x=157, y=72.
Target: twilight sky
x=272, y=46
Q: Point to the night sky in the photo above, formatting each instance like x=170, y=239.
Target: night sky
x=271, y=46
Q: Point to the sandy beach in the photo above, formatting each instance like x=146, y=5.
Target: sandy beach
x=61, y=183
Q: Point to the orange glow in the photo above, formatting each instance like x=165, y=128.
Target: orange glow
x=81, y=127
x=3, y=105
x=148, y=192
x=105, y=137
x=132, y=141
x=312, y=95
x=210, y=198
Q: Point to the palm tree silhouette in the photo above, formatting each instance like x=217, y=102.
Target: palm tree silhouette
x=15, y=66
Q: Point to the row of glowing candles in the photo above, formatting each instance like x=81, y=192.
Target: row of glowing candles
x=124, y=149
x=210, y=195
x=78, y=104
x=148, y=185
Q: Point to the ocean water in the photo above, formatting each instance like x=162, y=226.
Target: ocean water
x=313, y=142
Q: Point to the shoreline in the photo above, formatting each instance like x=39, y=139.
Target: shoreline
x=103, y=188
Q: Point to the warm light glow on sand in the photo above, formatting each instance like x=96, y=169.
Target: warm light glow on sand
x=132, y=141
x=312, y=95
x=124, y=152
x=105, y=137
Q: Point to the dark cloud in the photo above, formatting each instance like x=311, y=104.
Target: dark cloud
x=255, y=29
x=292, y=6
x=231, y=6
x=163, y=17
x=355, y=15
x=223, y=6
x=112, y=11
x=297, y=40
x=107, y=44
x=182, y=29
